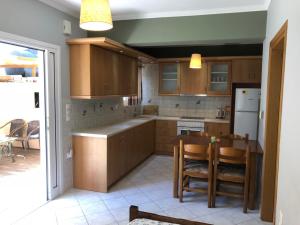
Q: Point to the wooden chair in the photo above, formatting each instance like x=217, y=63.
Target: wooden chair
x=195, y=161
x=231, y=166
x=16, y=129
x=135, y=213
x=32, y=132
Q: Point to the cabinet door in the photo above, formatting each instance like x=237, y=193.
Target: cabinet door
x=116, y=157
x=193, y=81
x=166, y=131
x=104, y=71
x=217, y=129
x=169, y=78
x=246, y=70
x=219, y=78
x=80, y=76
x=148, y=129
x=128, y=75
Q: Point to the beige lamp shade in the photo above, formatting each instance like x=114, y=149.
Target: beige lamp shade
x=196, y=61
x=95, y=15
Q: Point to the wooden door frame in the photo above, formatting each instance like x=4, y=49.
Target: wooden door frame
x=276, y=41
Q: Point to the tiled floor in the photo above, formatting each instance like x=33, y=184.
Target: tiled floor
x=149, y=187
x=21, y=187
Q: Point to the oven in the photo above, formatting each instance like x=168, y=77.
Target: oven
x=184, y=126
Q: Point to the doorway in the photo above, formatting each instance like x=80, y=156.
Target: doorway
x=29, y=159
x=273, y=124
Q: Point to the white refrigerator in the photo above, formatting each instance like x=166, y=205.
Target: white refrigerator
x=247, y=102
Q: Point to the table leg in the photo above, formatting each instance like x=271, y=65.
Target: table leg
x=175, y=172
x=252, y=183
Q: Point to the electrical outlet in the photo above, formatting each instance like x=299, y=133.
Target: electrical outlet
x=68, y=112
x=280, y=222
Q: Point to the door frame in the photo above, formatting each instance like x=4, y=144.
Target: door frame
x=272, y=179
x=46, y=47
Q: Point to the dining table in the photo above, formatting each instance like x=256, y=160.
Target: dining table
x=6, y=146
x=255, y=155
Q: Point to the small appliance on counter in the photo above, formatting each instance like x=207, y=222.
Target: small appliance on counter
x=150, y=110
x=223, y=112
x=220, y=113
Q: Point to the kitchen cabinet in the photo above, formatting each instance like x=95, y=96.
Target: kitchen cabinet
x=104, y=72
x=166, y=131
x=219, y=78
x=217, y=129
x=128, y=75
x=100, y=162
x=169, y=78
x=246, y=70
x=96, y=72
x=193, y=81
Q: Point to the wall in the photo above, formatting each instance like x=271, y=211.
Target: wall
x=289, y=173
x=177, y=105
x=94, y=113
x=19, y=102
x=33, y=19
x=205, y=29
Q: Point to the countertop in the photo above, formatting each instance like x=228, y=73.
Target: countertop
x=110, y=130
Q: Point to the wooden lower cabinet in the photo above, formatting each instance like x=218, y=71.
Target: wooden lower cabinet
x=166, y=131
x=100, y=162
x=217, y=129
x=89, y=163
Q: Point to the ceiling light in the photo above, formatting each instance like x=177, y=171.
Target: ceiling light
x=95, y=15
x=196, y=61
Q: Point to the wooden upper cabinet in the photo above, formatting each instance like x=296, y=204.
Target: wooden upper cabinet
x=193, y=81
x=97, y=72
x=246, y=70
x=169, y=78
x=219, y=78
x=128, y=75
x=104, y=66
x=81, y=81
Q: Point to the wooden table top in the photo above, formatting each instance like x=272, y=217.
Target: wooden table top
x=240, y=144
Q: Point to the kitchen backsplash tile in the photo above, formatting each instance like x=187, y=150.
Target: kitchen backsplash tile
x=94, y=113
x=177, y=105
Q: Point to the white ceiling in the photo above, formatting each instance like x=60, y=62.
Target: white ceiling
x=137, y=9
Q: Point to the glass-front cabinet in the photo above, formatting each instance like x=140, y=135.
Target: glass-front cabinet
x=169, y=83
x=219, y=78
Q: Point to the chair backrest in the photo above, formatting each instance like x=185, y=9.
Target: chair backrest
x=236, y=137
x=17, y=127
x=232, y=155
x=195, y=151
x=33, y=127
x=199, y=133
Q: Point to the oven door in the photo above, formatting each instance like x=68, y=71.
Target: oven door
x=186, y=130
